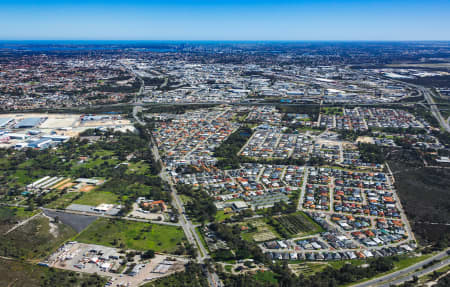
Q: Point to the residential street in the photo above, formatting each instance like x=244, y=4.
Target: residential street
x=188, y=227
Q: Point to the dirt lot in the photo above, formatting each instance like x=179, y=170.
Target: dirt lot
x=70, y=123
x=137, y=213
x=61, y=183
x=66, y=185
x=365, y=140
x=105, y=123
x=60, y=121
x=87, y=188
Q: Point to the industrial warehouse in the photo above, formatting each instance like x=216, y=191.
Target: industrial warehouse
x=41, y=131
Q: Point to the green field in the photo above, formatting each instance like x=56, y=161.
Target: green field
x=98, y=163
x=94, y=198
x=258, y=227
x=34, y=240
x=221, y=216
x=185, y=199
x=332, y=111
x=138, y=168
x=408, y=260
x=339, y=264
x=133, y=235
x=64, y=201
x=266, y=276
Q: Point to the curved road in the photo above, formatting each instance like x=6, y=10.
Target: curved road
x=390, y=278
x=418, y=273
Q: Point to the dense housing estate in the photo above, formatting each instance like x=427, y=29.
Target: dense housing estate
x=134, y=167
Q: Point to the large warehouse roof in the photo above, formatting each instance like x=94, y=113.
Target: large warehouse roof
x=5, y=121
x=29, y=123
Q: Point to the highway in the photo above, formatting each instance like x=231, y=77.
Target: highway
x=434, y=108
x=419, y=273
x=391, y=278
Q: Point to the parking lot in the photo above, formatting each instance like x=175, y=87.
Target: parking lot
x=109, y=262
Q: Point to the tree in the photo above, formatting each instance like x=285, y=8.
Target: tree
x=149, y=254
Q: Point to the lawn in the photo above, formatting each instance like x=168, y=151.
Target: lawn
x=333, y=111
x=221, y=216
x=99, y=163
x=138, y=168
x=407, y=260
x=94, y=198
x=266, y=276
x=133, y=235
x=339, y=264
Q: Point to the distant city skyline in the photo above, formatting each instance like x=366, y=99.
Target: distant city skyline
x=321, y=20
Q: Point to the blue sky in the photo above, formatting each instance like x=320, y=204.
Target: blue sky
x=225, y=20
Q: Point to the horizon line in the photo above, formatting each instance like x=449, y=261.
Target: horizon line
x=227, y=40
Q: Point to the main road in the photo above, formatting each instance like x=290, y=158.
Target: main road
x=418, y=274
x=433, y=107
x=391, y=278
x=188, y=227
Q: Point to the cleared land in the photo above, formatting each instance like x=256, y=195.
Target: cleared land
x=133, y=235
x=95, y=198
x=64, y=201
x=258, y=231
x=307, y=269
